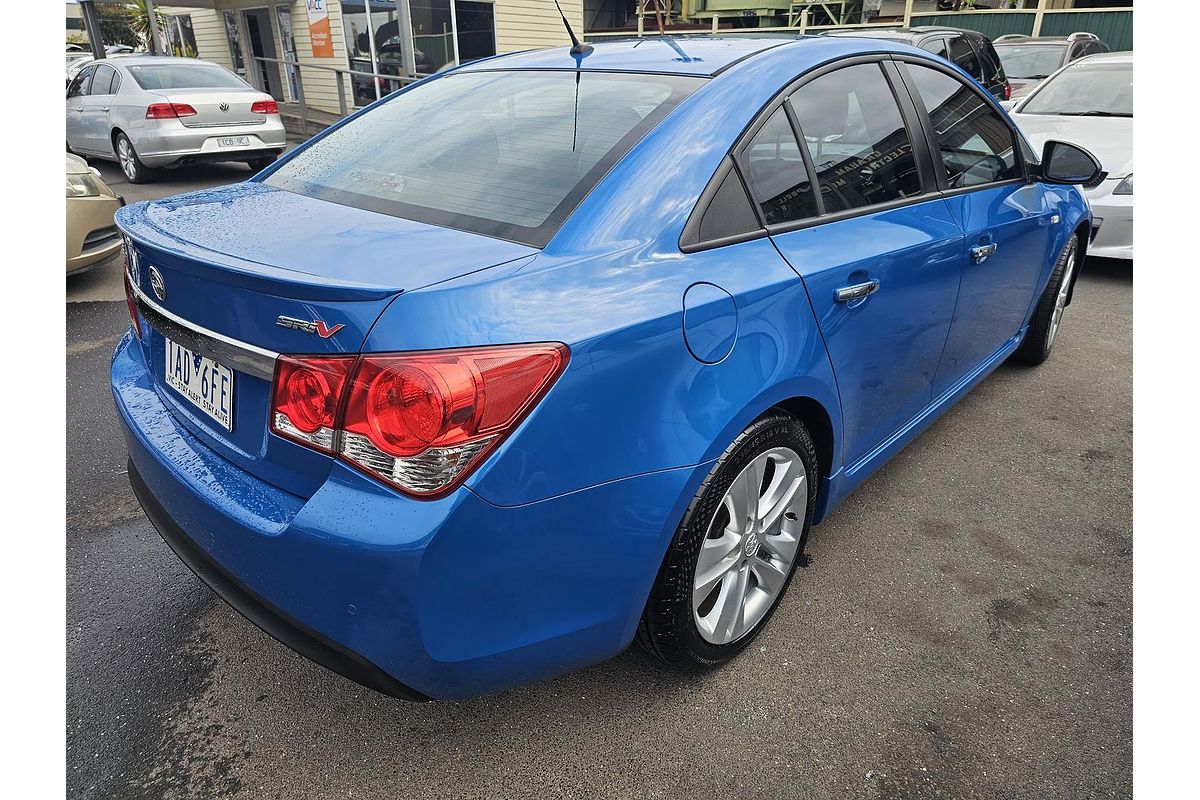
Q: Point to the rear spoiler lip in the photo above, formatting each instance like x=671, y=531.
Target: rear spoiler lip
x=254, y=276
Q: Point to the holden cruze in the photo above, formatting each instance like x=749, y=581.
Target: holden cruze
x=585, y=360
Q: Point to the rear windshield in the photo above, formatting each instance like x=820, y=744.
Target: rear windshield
x=506, y=154
x=1034, y=61
x=184, y=76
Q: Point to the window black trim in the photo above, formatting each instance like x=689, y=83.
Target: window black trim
x=927, y=124
x=911, y=109
x=690, y=241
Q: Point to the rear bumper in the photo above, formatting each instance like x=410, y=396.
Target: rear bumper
x=440, y=599
x=174, y=143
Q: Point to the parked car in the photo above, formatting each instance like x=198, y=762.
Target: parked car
x=1090, y=102
x=1029, y=60
x=453, y=413
x=970, y=50
x=92, y=236
x=146, y=112
x=77, y=61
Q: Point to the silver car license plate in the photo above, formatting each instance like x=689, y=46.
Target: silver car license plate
x=203, y=382
x=233, y=141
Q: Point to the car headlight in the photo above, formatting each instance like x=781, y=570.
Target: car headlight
x=1125, y=186
x=82, y=186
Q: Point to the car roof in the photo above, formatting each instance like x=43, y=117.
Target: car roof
x=1032, y=40
x=1118, y=57
x=138, y=60
x=901, y=34
x=701, y=55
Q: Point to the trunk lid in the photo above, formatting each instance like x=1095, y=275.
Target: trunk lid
x=232, y=260
x=218, y=107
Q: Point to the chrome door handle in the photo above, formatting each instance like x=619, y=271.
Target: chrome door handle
x=105, y=108
x=79, y=108
x=857, y=291
x=983, y=252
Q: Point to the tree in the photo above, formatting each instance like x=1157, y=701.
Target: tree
x=139, y=18
x=115, y=25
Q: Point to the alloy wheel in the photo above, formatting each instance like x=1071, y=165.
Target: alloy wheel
x=125, y=156
x=751, y=544
x=1060, y=302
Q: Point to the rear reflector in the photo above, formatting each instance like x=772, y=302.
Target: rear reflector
x=169, y=110
x=418, y=421
x=132, y=305
x=265, y=107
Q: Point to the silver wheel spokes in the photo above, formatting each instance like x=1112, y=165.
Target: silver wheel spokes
x=751, y=543
x=1060, y=302
x=125, y=156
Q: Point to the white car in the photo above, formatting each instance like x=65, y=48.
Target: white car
x=1089, y=102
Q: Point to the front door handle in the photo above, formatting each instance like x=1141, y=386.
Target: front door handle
x=105, y=108
x=857, y=291
x=983, y=252
x=79, y=108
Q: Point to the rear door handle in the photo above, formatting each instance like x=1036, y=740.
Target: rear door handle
x=105, y=108
x=857, y=291
x=983, y=252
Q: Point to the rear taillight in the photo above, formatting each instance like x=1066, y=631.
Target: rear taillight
x=1007, y=90
x=418, y=421
x=132, y=304
x=265, y=107
x=306, y=396
x=169, y=110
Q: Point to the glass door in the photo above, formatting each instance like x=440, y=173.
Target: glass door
x=287, y=42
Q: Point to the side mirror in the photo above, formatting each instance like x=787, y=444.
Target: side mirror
x=1070, y=164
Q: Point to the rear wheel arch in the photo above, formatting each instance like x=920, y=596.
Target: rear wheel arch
x=112, y=139
x=816, y=418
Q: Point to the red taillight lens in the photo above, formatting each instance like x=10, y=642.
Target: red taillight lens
x=305, y=398
x=419, y=421
x=265, y=107
x=169, y=110
x=132, y=305
x=1008, y=91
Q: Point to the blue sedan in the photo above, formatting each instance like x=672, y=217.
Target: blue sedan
x=559, y=350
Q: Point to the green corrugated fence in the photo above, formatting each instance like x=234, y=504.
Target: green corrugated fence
x=1114, y=27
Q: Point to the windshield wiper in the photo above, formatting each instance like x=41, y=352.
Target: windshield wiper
x=1093, y=114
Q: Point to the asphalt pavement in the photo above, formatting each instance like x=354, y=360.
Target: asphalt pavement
x=963, y=629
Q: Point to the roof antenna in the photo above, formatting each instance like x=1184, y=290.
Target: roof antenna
x=577, y=47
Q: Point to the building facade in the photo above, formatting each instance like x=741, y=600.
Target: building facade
x=310, y=48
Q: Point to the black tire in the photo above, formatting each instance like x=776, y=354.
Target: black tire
x=133, y=168
x=1039, y=339
x=668, y=629
x=259, y=164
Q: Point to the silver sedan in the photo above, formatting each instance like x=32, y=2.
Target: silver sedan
x=150, y=112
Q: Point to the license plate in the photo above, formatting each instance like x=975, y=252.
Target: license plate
x=233, y=141
x=203, y=382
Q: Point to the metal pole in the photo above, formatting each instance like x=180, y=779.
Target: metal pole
x=716, y=23
x=1037, y=18
x=300, y=97
x=371, y=41
x=908, y=13
x=454, y=29
x=88, y=7
x=404, y=21
x=154, y=42
x=803, y=19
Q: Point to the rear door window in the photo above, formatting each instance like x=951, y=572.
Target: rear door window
x=856, y=138
x=775, y=170
x=975, y=145
x=937, y=46
x=103, y=79
x=506, y=154
x=963, y=54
